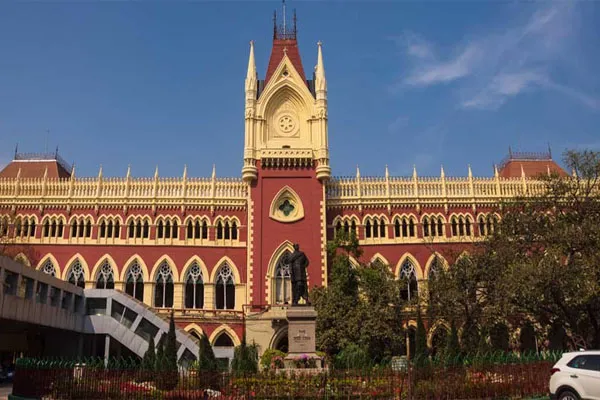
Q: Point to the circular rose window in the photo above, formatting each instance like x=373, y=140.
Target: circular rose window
x=287, y=124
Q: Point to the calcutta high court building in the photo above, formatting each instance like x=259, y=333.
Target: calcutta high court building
x=212, y=249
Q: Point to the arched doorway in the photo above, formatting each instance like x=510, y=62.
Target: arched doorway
x=280, y=342
x=438, y=340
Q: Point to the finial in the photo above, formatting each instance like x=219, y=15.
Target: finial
x=285, y=51
x=522, y=171
x=45, y=172
x=295, y=22
x=214, y=171
x=496, y=174
x=73, y=171
x=128, y=171
x=100, y=172
x=548, y=169
x=509, y=151
x=284, y=30
x=16, y=150
x=549, y=151
x=470, y=172
x=56, y=153
x=387, y=172
x=274, y=24
x=357, y=171
x=414, y=171
x=442, y=174
x=184, y=171
x=19, y=173
x=156, y=172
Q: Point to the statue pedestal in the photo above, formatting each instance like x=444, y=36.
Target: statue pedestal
x=302, y=322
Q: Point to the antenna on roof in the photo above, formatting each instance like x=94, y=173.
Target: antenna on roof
x=295, y=31
x=509, y=152
x=56, y=154
x=274, y=24
x=549, y=150
x=284, y=31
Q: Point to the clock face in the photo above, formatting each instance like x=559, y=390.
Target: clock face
x=287, y=124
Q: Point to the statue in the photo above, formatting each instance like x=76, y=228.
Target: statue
x=298, y=263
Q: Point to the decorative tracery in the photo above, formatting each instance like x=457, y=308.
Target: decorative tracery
x=75, y=276
x=225, y=289
x=48, y=268
x=283, y=280
x=194, y=287
x=105, y=278
x=408, y=275
x=163, y=292
x=134, y=282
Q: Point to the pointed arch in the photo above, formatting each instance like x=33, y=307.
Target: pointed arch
x=438, y=324
x=99, y=263
x=413, y=260
x=465, y=254
x=142, y=264
x=234, y=270
x=286, y=195
x=286, y=245
x=354, y=262
x=169, y=261
x=278, y=91
x=50, y=257
x=84, y=265
x=227, y=330
x=188, y=265
x=193, y=327
x=280, y=334
x=432, y=257
x=381, y=258
x=22, y=258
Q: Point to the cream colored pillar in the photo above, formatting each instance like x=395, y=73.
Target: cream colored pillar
x=209, y=296
x=149, y=293
x=178, y=295
x=240, y=296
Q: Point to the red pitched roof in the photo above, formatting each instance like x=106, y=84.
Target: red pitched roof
x=277, y=52
x=532, y=168
x=33, y=165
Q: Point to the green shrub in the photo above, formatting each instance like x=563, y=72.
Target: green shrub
x=353, y=357
x=271, y=359
x=245, y=358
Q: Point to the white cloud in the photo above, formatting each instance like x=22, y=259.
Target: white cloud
x=497, y=66
x=446, y=71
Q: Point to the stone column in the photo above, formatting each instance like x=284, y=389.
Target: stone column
x=178, y=295
x=106, y=349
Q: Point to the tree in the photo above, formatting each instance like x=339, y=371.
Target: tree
x=207, y=361
x=149, y=360
x=160, y=356
x=421, y=352
x=360, y=306
x=245, y=358
x=171, y=347
x=452, y=345
x=548, y=247
x=542, y=262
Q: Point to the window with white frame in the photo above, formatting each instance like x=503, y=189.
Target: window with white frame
x=225, y=289
x=75, y=276
x=408, y=275
x=105, y=278
x=194, y=287
x=283, y=280
x=163, y=290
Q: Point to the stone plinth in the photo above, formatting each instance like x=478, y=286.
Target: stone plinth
x=302, y=322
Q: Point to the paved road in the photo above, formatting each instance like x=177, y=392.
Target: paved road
x=5, y=390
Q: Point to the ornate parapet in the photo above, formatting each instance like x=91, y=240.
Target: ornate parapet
x=358, y=192
x=229, y=193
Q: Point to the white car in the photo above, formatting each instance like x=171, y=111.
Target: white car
x=576, y=376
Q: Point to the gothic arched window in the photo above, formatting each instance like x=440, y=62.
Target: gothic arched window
x=105, y=278
x=163, y=292
x=194, y=287
x=75, y=276
x=49, y=268
x=283, y=280
x=408, y=275
x=134, y=282
x=225, y=290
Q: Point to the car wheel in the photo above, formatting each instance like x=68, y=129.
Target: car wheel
x=568, y=395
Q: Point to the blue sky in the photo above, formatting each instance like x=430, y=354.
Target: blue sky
x=425, y=83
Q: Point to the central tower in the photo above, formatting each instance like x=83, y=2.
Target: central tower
x=286, y=165
x=286, y=114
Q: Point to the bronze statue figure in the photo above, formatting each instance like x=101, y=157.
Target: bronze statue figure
x=298, y=263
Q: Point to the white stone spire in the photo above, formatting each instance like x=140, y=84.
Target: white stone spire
x=320, y=81
x=251, y=74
